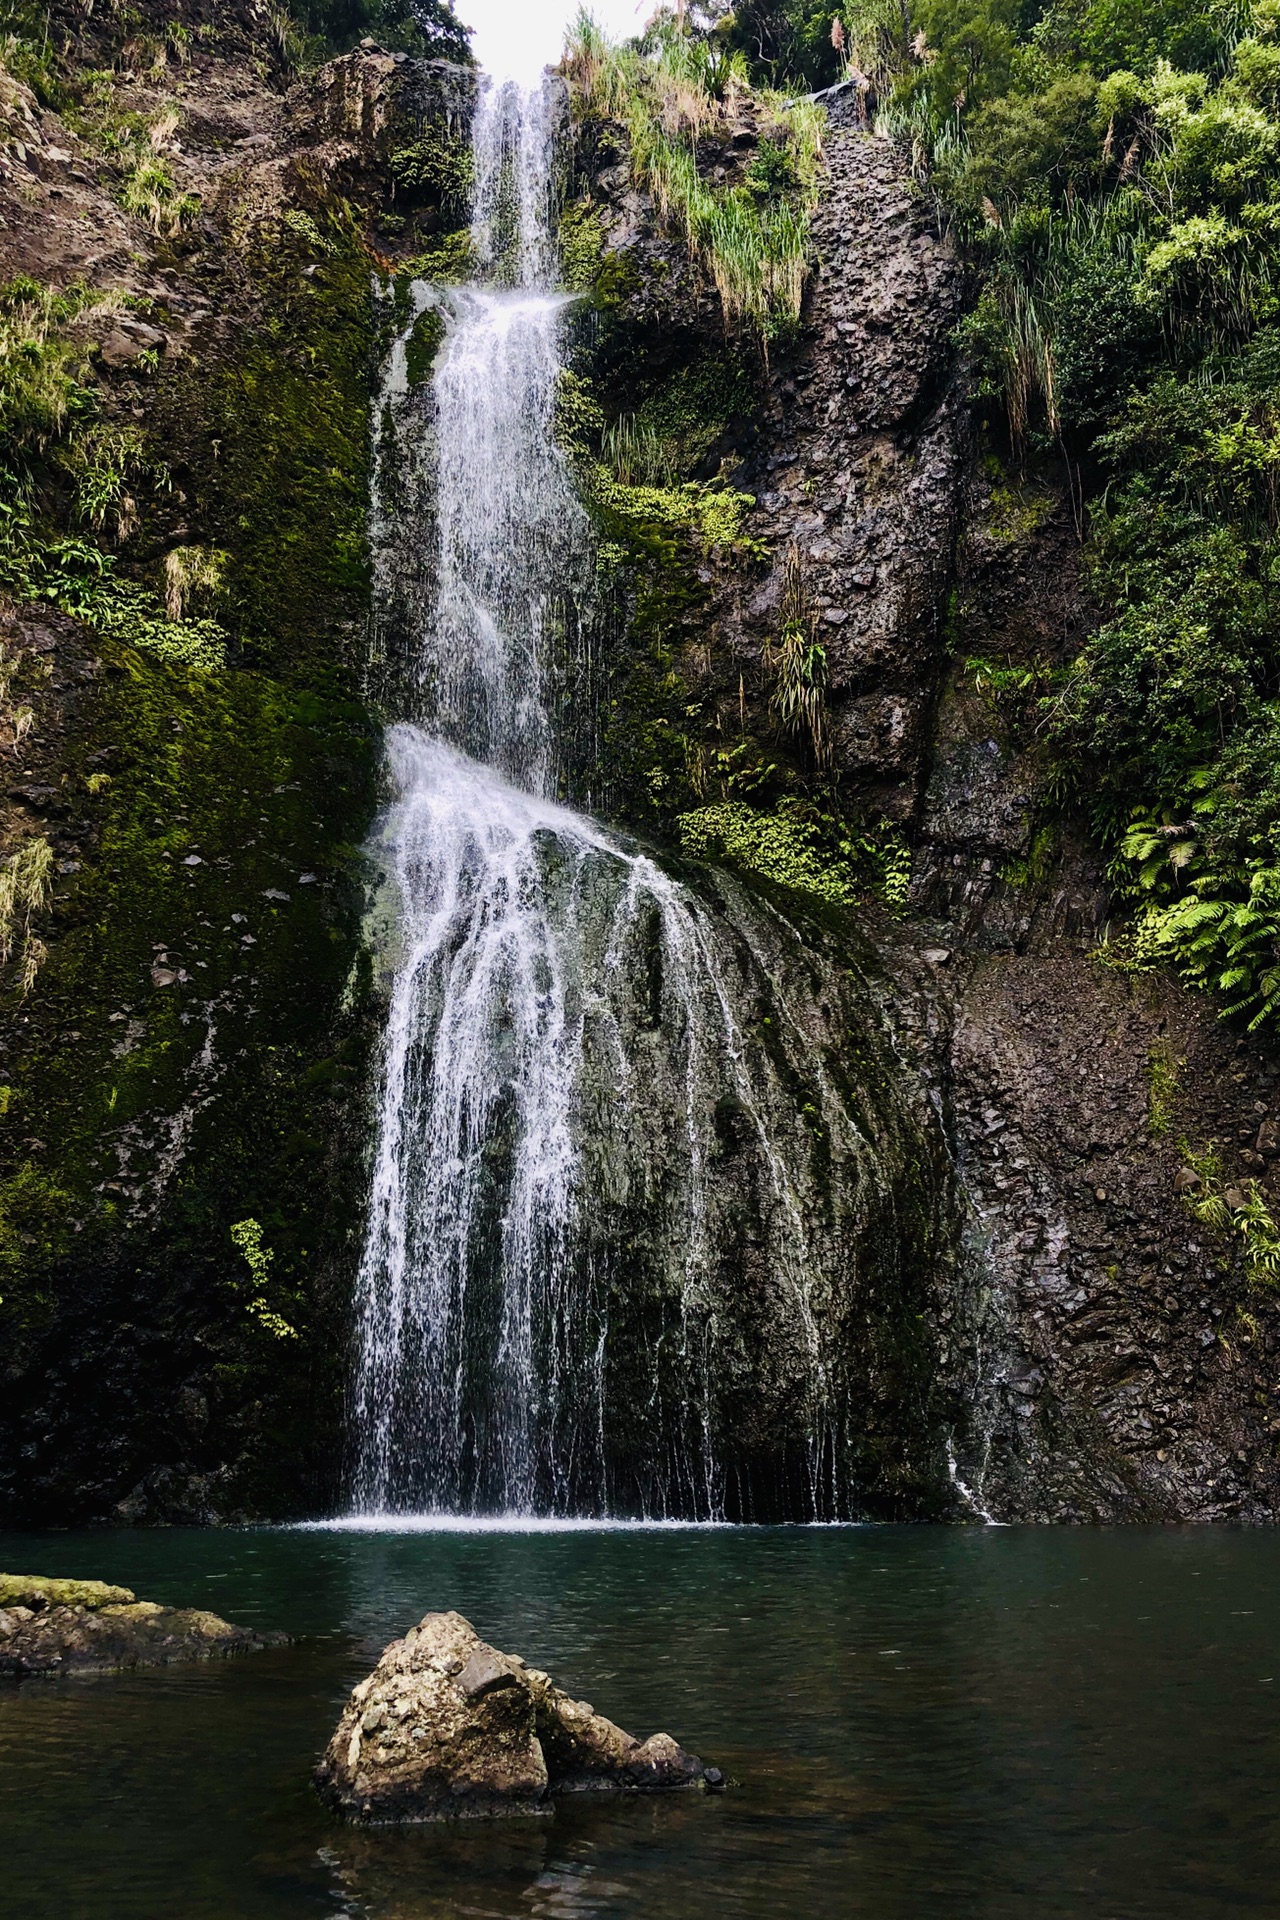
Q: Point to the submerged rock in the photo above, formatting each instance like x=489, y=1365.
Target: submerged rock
x=51, y=1627
x=446, y=1726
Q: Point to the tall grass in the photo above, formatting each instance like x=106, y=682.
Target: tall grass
x=668, y=92
x=637, y=454
x=1029, y=274
x=799, y=665
x=43, y=369
x=26, y=883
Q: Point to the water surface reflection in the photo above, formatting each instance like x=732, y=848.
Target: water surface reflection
x=919, y=1721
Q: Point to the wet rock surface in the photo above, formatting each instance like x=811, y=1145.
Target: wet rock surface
x=859, y=464
x=1113, y=1360
x=53, y=1627
x=1108, y=1355
x=447, y=1727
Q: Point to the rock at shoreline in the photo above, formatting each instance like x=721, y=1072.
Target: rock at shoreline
x=51, y=1627
x=446, y=1726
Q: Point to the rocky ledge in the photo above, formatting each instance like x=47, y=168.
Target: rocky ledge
x=50, y=1627
x=447, y=1727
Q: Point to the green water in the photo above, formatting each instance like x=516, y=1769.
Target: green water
x=919, y=1721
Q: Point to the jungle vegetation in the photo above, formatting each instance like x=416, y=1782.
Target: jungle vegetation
x=1112, y=171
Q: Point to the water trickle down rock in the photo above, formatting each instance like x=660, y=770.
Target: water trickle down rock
x=446, y=1727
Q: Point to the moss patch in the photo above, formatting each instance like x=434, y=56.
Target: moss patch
x=193, y=1053
x=781, y=850
x=31, y=1590
x=423, y=345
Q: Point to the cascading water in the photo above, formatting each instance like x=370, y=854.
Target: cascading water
x=612, y=1167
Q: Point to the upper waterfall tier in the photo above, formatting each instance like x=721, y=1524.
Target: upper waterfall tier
x=513, y=538
x=470, y=468
x=511, y=222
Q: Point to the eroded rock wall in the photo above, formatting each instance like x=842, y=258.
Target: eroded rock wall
x=1102, y=1352
x=857, y=469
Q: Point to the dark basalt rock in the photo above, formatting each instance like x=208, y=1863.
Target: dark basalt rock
x=446, y=1727
x=54, y=1627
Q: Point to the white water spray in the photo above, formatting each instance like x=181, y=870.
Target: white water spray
x=567, y=1046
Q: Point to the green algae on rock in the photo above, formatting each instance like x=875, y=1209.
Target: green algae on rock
x=49, y=1628
x=36, y=1592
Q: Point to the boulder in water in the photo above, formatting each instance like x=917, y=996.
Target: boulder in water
x=52, y=1627
x=446, y=1726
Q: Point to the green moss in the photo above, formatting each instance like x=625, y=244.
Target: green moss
x=274, y=445
x=661, y=744
x=579, y=418
x=615, y=283
x=1164, y=1072
x=781, y=850
x=713, y=517
x=692, y=409
x=436, y=168
x=1030, y=868
x=222, y=791
x=1018, y=512
x=34, y=1231
x=651, y=743
x=450, y=262
x=423, y=345
x=582, y=255
x=819, y=859
x=36, y=1592
x=227, y=834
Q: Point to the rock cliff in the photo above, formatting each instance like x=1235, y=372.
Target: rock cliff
x=188, y=1057
x=184, y=1103
x=1102, y=1352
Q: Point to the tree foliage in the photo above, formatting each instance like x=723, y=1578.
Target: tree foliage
x=428, y=28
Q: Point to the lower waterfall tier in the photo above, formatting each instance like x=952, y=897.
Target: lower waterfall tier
x=652, y=1224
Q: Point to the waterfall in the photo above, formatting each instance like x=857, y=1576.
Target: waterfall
x=606, y=1148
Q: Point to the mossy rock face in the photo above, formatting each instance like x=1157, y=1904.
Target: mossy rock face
x=423, y=345
x=668, y=529
x=269, y=445
x=193, y=1055
x=78, y=1631
x=36, y=1592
